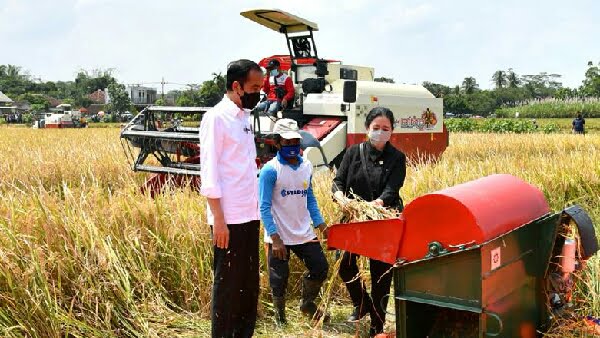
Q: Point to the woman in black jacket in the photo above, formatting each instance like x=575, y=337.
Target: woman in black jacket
x=373, y=170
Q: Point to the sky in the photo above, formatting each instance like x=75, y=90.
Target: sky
x=185, y=41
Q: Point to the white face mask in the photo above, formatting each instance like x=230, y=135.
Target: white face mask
x=380, y=135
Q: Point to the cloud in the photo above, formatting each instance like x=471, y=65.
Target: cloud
x=187, y=40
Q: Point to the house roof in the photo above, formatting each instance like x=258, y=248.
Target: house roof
x=4, y=98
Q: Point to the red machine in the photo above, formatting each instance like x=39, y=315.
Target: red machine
x=487, y=255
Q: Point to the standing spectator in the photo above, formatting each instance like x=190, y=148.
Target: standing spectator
x=579, y=124
x=229, y=182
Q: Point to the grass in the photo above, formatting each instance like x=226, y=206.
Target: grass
x=84, y=254
x=554, y=108
x=545, y=125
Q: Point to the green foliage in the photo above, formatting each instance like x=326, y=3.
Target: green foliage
x=160, y=102
x=541, y=85
x=516, y=126
x=513, y=126
x=460, y=125
x=27, y=118
x=212, y=91
x=438, y=90
x=591, y=84
x=513, y=79
x=35, y=99
x=384, y=79
x=470, y=85
x=119, y=100
x=481, y=103
x=207, y=95
x=20, y=86
x=499, y=79
x=36, y=107
x=551, y=128
x=188, y=99
x=553, y=109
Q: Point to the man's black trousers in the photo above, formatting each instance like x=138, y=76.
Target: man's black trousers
x=236, y=283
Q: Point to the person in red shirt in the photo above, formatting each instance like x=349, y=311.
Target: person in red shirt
x=279, y=89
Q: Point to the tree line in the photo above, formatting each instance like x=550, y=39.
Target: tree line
x=510, y=90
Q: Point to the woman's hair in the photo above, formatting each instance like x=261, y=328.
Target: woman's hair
x=380, y=111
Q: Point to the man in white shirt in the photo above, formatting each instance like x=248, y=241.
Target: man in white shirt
x=228, y=174
x=288, y=207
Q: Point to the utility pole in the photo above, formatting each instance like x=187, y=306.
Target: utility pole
x=162, y=94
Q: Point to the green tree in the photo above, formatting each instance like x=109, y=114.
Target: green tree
x=184, y=101
x=499, y=79
x=481, y=102
x=35, y=99
x=384, y=79
x=212, y=91
x=541, y=85
x=36, y=108
x=456, y=104
x=591, y=83
x=470, y=85
x=510, y=96
x=565, y=93
x=160, y=102
x=438, y=90
x=119, y=100
x=512, y=79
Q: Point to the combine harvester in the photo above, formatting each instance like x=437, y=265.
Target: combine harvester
x=331, y=104
x=62, y=117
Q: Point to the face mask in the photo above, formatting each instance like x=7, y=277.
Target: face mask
x=250, y=100
x=274, y=72
x=289, y=151
x=380, y=135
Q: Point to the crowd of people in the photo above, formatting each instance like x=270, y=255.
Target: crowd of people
x=284, y=200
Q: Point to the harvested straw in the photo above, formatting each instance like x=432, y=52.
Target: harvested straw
x=359, y=210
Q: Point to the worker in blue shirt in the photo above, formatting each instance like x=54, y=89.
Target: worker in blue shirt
x=579, y=124
x=287, y=207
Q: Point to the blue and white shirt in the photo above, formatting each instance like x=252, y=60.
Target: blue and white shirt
x=287, y=202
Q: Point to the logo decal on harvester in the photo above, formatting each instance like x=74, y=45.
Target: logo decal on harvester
x=427, y=121
x=496, y=258
x=301, y=192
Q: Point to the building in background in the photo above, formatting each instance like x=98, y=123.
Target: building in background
x=142, y=96
x=8, y=110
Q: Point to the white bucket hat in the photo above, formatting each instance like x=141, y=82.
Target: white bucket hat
x=287, y=128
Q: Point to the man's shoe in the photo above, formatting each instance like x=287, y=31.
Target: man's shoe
x=358, y=313
x=279, y=307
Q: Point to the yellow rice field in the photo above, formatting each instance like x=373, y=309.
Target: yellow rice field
x=84, y=254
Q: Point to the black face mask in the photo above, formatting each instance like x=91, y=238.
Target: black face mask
x=250, y=100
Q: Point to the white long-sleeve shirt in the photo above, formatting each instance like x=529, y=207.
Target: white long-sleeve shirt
x=228, y=162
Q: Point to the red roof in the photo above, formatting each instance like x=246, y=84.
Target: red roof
x=286, y=61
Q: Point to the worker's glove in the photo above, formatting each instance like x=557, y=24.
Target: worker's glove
x=340, y=198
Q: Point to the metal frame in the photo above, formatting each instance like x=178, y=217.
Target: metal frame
x=151, y=142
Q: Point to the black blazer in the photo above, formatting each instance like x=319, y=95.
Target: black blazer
x=350, y=176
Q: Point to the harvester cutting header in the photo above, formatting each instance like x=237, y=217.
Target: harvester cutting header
x=330, y=103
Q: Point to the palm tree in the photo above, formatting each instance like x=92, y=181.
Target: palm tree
x=2, y=70
x=499, y=79
x=513, y=79
x=457, y=90
x=470, y=85
x=13, y=71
